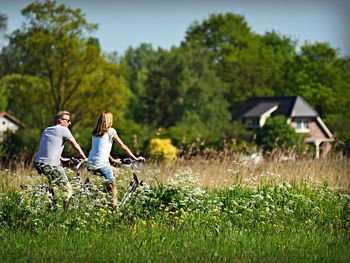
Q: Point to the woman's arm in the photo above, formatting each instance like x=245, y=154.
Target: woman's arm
x=114, y=161
x=126, y=149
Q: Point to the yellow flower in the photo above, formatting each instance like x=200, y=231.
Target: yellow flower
x=162, y=149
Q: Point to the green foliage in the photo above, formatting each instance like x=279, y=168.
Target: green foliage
x=14, y=146
x=3, y=25
x=55, y=65
x=33, y=111
x=191, y=90
x=179, y=91
x=190, y=129
x=250, y=65
x=54, y=49
x=239, y=133
x=277, y=133
x=3, y=98
x=136, y=65
x=322, y=78
x=221, y=33
x=133, y=134
x=340, y=125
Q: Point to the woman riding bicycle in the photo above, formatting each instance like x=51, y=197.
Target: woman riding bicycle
x=98, y=161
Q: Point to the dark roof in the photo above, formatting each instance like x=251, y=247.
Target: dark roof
x=259, y=109
x=294, y=106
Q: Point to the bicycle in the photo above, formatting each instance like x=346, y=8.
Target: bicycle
x=84, y=189
x=37, y=195
x=88, y=192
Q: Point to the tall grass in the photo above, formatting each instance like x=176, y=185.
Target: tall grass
x=224, y=172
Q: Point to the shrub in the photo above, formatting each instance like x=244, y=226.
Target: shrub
x=162, y=150
x=277, y=133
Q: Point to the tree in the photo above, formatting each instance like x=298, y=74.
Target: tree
x=136, y=65
x=280, y=53
x=204, y=106
x=3, y=95
x=3, y=25
x=164, y=90
x=320, y=78
x=53, y=57
x=221, y=34
x=52, y=63
x=173, y=88
x=250, y=65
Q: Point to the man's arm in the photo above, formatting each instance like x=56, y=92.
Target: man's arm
x=77, y=148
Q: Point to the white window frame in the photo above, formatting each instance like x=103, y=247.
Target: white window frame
x=302, y=125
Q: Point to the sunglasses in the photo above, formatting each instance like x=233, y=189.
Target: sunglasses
x=67, y=120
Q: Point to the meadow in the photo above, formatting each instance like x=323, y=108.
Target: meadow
x=199, y=210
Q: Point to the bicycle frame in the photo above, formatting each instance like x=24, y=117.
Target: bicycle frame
x=133, y=185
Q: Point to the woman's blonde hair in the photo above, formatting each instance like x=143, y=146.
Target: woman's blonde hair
x=104, y=122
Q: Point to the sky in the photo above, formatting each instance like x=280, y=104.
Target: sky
x=163, y=23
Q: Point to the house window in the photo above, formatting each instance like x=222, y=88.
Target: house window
x=299, y=123
x=302, y=125
x=252, y=122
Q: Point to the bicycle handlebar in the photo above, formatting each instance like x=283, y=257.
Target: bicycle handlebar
x=128, y=161
x=78, y=162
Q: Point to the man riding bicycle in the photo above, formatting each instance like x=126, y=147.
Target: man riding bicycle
x=48, y=158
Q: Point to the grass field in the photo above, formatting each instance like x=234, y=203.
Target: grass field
x=183, y=244
x=198, y=210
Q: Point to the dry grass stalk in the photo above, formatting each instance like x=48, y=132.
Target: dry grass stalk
x=224, y=171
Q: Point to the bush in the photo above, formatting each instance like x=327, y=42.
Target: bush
x=277, y=133
x=19, y=146
x=162, y=150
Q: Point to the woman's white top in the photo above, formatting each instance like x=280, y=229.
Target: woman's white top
x=101, y=149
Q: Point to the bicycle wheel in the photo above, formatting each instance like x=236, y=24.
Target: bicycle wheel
x=37, y=197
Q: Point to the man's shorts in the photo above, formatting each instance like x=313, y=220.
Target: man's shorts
x=105, y=171
x=53, y=173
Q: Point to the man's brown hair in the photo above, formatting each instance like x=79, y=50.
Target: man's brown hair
x=59, y=115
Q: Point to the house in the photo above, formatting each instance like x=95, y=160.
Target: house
x=299, y=114
x=9, y=122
